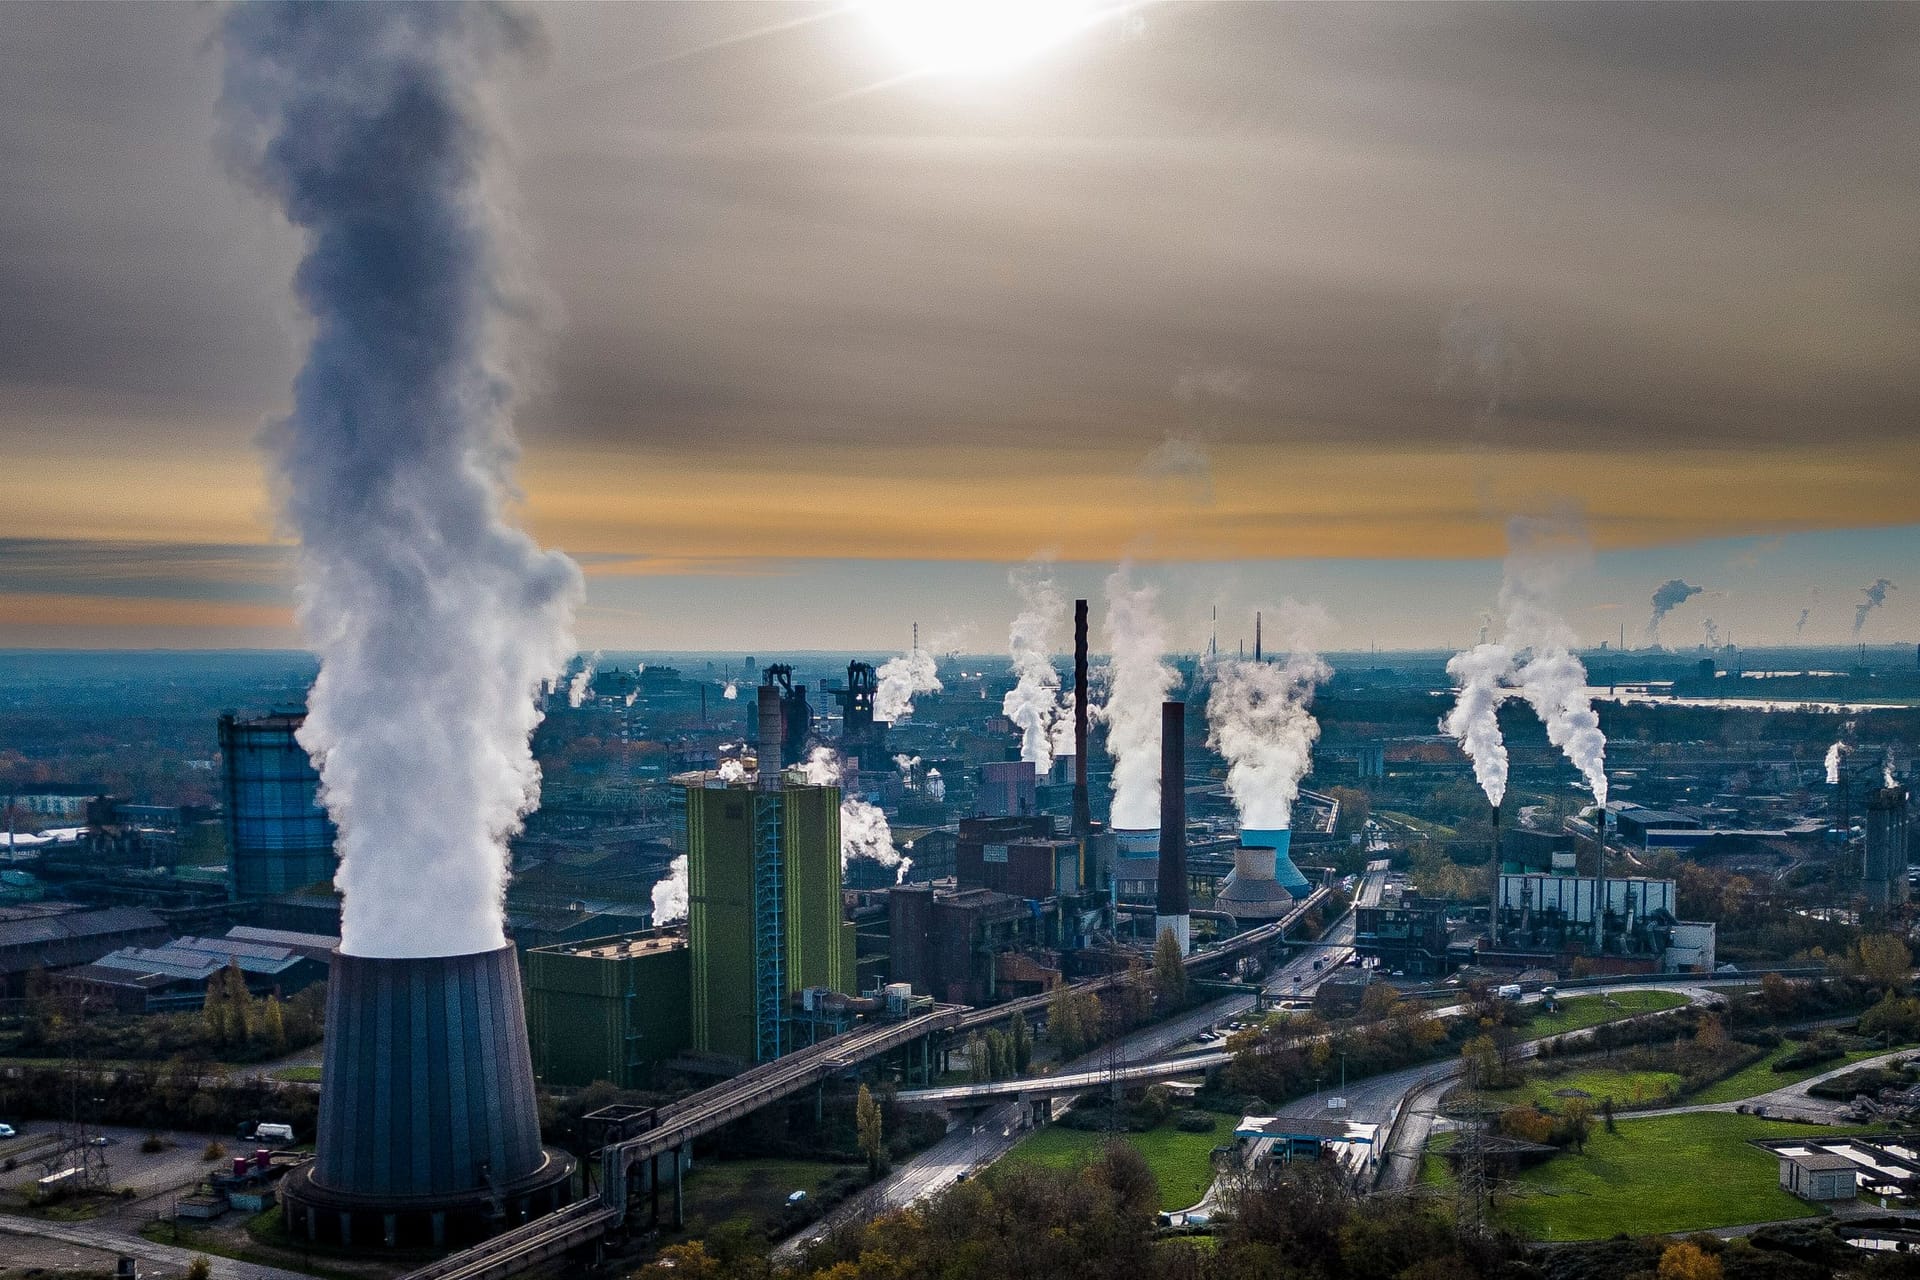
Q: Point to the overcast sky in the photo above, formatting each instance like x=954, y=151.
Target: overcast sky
x=1281, y=300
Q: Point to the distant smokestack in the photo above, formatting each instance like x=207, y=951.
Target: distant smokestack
x=1493, y=920
x=771, y=732
x=1082, y=814
x=1170, y=903
x=1256, y=635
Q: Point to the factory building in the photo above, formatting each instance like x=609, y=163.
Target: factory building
x=1019, y=856
x=278, y=836
x=974, y=946
x=1402, y=930
x=764, y=919
x=1883, y=870
x=1006, y=788
x=1628, y=924
x=608, y=1008
x=174, y=975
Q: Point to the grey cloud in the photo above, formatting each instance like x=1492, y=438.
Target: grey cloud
x=1690, y=212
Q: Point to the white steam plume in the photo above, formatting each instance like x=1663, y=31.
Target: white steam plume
x=1033, y=704
x=581, y=686
x=1801, y=625
x=906, y=764
x=899, y=679
x=1259, y=719
x=1474, y=721
x=1712, y=632
x=1834, y=753
x=670, y=894
x=732, y=771
x=864, y=830
x=1138, y=682
x=1550, y=677
x=435, y=619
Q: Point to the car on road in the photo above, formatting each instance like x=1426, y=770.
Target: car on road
x=7, y=1131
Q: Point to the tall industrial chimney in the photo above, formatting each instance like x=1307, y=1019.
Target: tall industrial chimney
x=1082, y=812
x=770, y=732
x=1256, y=635
x=1493, y=920
x=1170, y=901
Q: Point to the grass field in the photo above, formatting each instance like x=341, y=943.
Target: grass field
x=1576, y=1013
x=1662, y=1174
x=298, y=1075
x=751, y=1192
x=1182, y=1162
x=1626, y=1088
x=1762, y=1078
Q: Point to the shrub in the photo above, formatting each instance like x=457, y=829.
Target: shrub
x=152, y=1144
x=1194, y=1121
x=215, y=1151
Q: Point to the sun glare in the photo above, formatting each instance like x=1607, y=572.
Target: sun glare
x=975, y=36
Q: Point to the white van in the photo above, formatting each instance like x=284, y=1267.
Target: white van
x=1509, y=992
x=273, y=1133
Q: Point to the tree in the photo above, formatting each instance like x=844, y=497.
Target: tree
x=977, y=1064
x=1356, y=806
x=998, y=1054
x=1685, y=1260
x=1884, y=961
x=1063, y=1021
x=199, y=1267
x=273, y=1025
x=866, y=1118
x=1169, y=971
x=1022, y=1044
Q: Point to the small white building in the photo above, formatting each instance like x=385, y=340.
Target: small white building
x=1818, y=1175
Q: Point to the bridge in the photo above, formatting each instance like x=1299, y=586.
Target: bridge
x=670, y=1131
x=1067, y=1082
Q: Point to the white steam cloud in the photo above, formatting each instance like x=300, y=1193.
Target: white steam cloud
x=1834, y=753
x=732, y=771
x=1033, y=704
x=670, y=894
x=1549, y=676
x=1711, y=630
x=1259, y=719
x=731, y=692
x=581, y=686
x=864, y=830
x=899, y=680
x=1138, y=682
x=936, y=786
x=1478, y=676
x=436, y=621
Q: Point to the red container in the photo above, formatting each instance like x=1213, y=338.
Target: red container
x=239, y=1166
x=261, y=1158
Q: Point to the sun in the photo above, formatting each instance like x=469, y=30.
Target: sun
x=975, y=36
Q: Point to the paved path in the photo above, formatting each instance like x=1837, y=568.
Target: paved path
x=91, y=1236
x=1793, y=1101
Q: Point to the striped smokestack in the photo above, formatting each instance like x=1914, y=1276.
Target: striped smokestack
x=1170, y=901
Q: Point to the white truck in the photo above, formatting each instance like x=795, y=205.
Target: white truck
x=281, y=1133
x=1509, y=992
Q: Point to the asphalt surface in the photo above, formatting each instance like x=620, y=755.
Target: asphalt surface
x=990, y=1134
x=89, y=1235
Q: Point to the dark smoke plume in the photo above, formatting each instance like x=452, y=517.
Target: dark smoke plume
x=1876, y=595
x=435, y=619
x=1668, y=596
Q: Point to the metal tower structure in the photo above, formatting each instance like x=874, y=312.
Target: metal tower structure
x=770, y=937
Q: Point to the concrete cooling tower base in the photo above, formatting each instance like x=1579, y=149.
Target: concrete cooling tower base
x=429, y=1134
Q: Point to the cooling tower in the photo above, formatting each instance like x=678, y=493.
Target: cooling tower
x=1284, y=872
x=1170, y=896
x=429, y=1133
x=1250, y=893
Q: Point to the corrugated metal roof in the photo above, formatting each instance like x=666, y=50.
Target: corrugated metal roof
x=77, y=924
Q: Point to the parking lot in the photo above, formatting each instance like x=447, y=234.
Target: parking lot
x=149, y=1174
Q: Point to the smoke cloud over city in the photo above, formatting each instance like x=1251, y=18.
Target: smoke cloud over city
x=1259, y=719
x=1668, y=596
x=436, y=620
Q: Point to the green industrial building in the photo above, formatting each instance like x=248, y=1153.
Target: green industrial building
x=764, y=919
x=607, y=1008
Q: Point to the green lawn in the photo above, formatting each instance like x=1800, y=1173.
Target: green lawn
x=1654, y=1176
x=1762, y=1078
x=1433, y=830
x=1626, y=1088
x=298, y=1075
x=1576, y=1013
x=1182, y=1162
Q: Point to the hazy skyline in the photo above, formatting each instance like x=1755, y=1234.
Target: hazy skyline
x=1282, y=301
